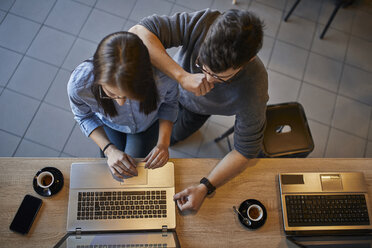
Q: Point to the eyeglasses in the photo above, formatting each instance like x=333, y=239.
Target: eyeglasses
x=103, y=95
x=200, y=66
x=209, y=73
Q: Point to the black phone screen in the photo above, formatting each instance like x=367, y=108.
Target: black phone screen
x=26, y=214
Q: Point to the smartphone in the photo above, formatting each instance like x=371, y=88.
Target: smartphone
x=26, y=214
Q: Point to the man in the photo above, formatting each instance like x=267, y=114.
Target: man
x=219, y=73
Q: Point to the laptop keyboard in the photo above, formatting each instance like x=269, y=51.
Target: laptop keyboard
x=122, y=246
x=326, y=210
x=121, y=205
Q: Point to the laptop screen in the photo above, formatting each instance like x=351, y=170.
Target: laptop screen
x=351, y=241
x=130, y=239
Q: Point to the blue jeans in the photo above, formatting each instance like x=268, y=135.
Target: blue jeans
x=135, y=145
x=187, y=123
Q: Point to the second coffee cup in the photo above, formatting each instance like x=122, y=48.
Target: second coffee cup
x=254, y=212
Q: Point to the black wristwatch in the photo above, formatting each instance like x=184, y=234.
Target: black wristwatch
x=208, y=184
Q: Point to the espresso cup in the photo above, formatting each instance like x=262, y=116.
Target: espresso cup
x=255, y=212
x=45, y=179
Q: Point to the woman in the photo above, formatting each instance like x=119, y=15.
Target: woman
x=123, y=104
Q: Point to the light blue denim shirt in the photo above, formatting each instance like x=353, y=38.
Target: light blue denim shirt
x=129, y=119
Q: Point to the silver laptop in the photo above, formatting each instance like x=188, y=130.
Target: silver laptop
x=137, y=211
x=326, y=202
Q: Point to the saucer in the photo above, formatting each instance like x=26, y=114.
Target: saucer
x=243, y=210
x=55, y=187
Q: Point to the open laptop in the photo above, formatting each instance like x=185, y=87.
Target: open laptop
x=325, y=203
x=134, y=212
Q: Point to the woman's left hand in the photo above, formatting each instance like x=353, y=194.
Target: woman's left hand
x=157, y=157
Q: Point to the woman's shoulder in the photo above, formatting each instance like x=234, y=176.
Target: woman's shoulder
x=82, y=77
x=162, y=80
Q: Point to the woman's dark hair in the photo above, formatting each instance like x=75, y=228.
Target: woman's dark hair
x=122, y=60
x=233, y=39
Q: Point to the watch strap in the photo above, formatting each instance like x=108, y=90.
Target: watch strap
x=208, y=184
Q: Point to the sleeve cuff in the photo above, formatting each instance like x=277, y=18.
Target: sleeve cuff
x=88, y=125
x=168, y=113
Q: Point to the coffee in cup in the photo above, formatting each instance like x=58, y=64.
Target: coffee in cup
x=254, y=212
x=45, y=179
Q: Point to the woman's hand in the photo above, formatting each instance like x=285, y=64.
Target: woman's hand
x=158, y=157
x=120, y=163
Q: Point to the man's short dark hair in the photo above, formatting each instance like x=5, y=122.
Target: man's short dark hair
x=233, y=39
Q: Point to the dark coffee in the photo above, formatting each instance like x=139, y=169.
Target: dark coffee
x=254, y=213
x=46, y=180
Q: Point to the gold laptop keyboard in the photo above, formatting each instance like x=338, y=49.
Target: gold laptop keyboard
x=326, y=210
x=122, y=246
x=121, y=205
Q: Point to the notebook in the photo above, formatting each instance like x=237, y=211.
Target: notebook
x=137, y=211
x=326, y=202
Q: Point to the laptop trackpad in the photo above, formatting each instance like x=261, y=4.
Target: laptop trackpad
x=331, y=182
x=141, y=179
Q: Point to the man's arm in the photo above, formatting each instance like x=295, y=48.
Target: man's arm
x=248, y=137
x=230, y=166
x=195, y=83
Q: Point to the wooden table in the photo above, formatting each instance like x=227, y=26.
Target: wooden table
x=214, y=225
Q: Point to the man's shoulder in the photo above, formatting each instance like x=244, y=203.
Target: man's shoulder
x=206, y=16
x=253, y=84
x=256, y=67
x=199, y=20
x=208, y=12
x=254, y=76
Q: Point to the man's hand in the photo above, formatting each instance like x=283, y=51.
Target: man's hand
x=120, y=163
x=196, y=83
x=191, y=198
x=158, y=157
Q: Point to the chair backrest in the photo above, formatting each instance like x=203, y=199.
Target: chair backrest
x=287, y=132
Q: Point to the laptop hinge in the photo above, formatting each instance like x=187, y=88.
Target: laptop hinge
x=164, y=231
x=78, y=233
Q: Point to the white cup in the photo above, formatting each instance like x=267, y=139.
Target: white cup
x=255, y=212
x=45, y=179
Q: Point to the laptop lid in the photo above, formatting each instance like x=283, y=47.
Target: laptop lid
x=98, y=202
x=167, y=239
x=349, y=241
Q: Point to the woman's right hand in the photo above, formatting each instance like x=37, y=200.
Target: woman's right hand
x=120, y=163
